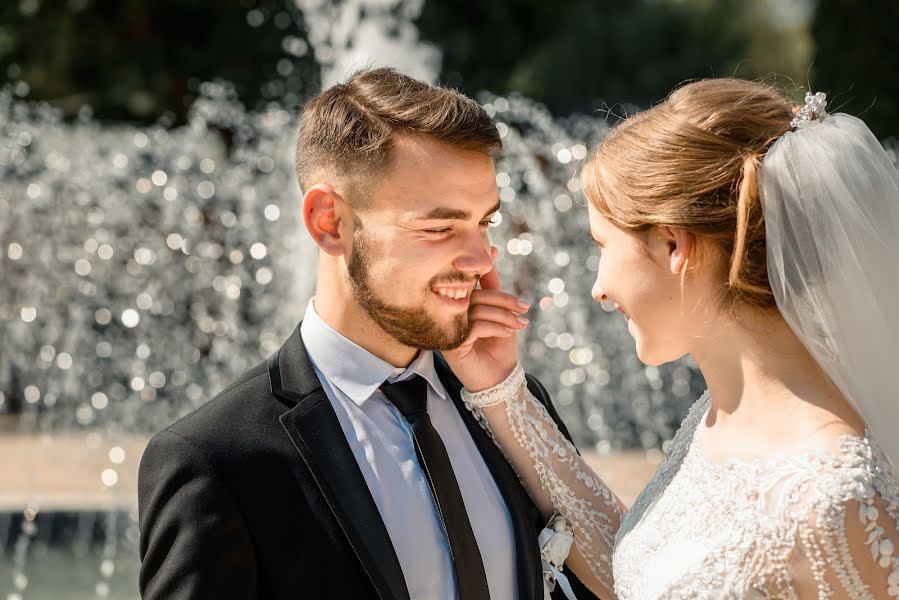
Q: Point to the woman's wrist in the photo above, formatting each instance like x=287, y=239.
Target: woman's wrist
x=489, y=395
x=492, y=381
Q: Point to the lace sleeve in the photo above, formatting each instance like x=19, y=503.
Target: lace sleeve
x=850, y=548
x=554, y=474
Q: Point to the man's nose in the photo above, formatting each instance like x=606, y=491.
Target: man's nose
x=477, y=255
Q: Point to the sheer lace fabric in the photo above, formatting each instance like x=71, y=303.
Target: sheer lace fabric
x=812, y=525
x=551, y=469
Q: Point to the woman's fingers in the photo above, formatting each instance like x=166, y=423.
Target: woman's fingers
x=488, y=329
x=494, y=312
x=483, y=312
x=499, y=299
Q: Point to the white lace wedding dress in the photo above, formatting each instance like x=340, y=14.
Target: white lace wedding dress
x=811, y=525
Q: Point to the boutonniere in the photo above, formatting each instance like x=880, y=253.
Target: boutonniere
x=555, y=543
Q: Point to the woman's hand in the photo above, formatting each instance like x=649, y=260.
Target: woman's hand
x=490, y=353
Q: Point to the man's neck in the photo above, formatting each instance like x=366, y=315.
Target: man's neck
x=348, y=319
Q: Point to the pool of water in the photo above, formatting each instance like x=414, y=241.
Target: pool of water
x=76, y=555
x=63, y=574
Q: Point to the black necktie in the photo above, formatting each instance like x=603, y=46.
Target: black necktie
x=411, y=398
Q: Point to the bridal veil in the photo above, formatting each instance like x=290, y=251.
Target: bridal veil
x=830, y=194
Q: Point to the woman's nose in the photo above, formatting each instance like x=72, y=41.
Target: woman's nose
x=598, y=294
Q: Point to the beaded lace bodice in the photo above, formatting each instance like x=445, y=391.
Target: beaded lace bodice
x=807, y=525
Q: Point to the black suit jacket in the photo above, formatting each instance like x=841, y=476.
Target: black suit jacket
x=257, y=495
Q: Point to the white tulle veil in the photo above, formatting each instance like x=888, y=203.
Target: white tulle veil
x=830, y=194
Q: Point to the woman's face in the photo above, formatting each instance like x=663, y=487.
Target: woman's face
x=641, y=274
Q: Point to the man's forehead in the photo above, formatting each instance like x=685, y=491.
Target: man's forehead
x=418, y=145
x=417, y=151
x=443, y=185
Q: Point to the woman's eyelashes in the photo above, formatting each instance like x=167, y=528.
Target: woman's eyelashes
x=594, y=241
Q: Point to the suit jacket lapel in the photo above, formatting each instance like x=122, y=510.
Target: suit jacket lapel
x=524, y=514
x=315, y=431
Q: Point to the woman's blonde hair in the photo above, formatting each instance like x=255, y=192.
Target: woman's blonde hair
x=692, y=163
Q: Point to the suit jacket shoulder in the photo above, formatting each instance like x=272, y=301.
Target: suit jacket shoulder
x=207, y=422
x=189, y=506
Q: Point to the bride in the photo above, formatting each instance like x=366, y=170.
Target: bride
x=763, y=240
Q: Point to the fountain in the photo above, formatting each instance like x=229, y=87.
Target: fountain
x=145, y=267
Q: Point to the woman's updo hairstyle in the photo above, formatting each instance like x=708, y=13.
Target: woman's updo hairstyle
x=692, y=162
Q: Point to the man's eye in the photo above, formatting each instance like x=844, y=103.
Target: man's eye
x=490, y=221
x=440, y=230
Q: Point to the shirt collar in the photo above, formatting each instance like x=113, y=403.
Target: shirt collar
x=355, y=371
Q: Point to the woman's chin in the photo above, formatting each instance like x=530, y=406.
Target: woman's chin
x=648, y=355
x=654, y=357
x=651, y=361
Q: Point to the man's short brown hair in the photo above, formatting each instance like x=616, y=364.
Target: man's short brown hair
x=347, y=131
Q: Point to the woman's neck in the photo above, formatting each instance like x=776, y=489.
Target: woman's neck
x=760, y=376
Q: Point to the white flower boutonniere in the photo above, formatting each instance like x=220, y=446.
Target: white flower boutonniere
x=555, y=543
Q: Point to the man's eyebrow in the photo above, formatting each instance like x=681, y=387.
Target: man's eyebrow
x=455, y=214
x=442, y=212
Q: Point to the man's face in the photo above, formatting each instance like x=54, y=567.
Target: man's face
x=421, y=244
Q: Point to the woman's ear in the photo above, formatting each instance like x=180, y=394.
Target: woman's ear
x=677, y=246
x=323, y=208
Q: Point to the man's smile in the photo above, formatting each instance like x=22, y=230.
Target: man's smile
x=455, y=292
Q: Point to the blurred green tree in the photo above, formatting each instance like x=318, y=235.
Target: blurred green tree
x=594, y=52
x=139, y=59
x=857, y=60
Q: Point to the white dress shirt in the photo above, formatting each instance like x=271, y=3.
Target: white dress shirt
x=381, y=441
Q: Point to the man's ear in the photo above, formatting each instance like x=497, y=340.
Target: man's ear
x=323, y=209
x=678, y=244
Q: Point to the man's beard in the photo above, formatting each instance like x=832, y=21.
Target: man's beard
x=412, y=327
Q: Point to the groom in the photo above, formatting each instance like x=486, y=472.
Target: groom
x=346, y=465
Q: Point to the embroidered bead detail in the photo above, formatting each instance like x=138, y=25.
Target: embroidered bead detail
x=706, y=530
